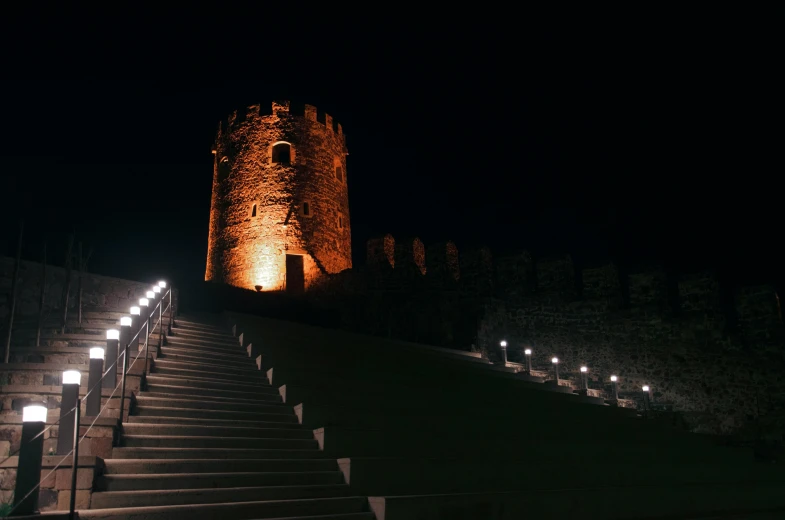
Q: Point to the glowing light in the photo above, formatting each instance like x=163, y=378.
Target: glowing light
x=156, y=289
x=125, y=321
x=112, y=334
x=584, y=369
x=144, y=302
x=528, y=352
x=96, y=353
x=136, y=310
x=645, y=388
x=150, y=295
x=34, y=413
x=614, y=378
x=554, y=360
x=162, y=284
x=503, y=344
x=72, y=377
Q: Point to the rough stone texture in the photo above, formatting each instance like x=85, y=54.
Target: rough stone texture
x=257, y=213
x=98, y=292
x=715, y=360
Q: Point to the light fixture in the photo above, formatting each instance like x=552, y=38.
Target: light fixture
x=96, y=353
x=156, y=289
x=72, y=377
x=615, y=387
x=554, y=360
x=503, y=344
x=584, y=369
x=614, y=379
x=162, y=284
x=136, y=311
x=645, y=388
x=144, y=302
x=34, y=413
x=150, y=295
x=125, y=321
x=112, y=334
x=528, y=352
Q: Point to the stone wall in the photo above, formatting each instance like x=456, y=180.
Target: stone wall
x=704, y=350
x=264, y=209
x=98, y=292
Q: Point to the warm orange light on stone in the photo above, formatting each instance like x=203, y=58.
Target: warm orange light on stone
x=279, y=215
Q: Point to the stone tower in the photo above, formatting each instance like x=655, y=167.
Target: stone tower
x=279, y=214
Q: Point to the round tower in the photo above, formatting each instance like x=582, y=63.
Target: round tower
x=279, y=214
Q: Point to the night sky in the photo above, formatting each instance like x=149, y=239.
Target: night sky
x=637, y=137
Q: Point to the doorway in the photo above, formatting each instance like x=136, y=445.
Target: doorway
x=295, y=275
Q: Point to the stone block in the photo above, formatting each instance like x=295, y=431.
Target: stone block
x=82, y=499
x=5, y=448
x=84, y=478
x=100, y=447
x=48, y=500
x=48, y=478
x=7, y=478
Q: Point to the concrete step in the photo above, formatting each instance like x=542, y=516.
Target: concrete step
x=247, y=377
x=187, y=356
x=158, y=413
x=211, y=402
x=175, y=387
x=245, y=369
x=162, y=466
x=292, y=432
x=217, y=480
x=203, y=336
x=211, y=421
x=189, y=324
x=114, y=499
x=205, y=345
x=174, y=441
x=214, y=453
x=209, y=350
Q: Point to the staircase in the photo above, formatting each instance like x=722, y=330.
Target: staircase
x=209, y=436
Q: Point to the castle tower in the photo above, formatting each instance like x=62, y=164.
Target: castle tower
x=279, y=214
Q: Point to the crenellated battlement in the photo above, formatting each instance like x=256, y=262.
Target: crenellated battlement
x=280, y=110
x=521, y=277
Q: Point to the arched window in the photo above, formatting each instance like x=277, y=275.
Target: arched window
x=253, y=211
x=223, y=169
x=339, y=173
x=282, y=153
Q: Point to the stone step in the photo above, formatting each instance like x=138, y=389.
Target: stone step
x=208, y=337
x=207, y=356
x=246, y=369
x=156, y=413
x=293, y=432
x=163, y=466
x=214, y=453
x=209, y=346
x=208, y=420
x=216, y=480
x=212, y=402
x=209, y=351
x=114, y=499
x=187, y=356
x=189, y=324
x=204, y=373
x=173, y=386
x=174, y=441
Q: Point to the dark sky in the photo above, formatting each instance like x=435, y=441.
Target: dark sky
x=638, y=136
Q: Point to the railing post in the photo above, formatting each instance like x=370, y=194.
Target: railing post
x=146, y=342
x=75, y=462
x=122, y=386
x=171, y=311
x=160, y=325
x=31, y=452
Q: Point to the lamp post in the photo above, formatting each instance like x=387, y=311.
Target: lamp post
x=503, y=345
x=144, y=305
x=93, y=404
x=136, y=324
x=31, y=453
x=68, y=402
x=646, y=398
x=615, y=386
x=585, y=380
x=555, y=362
x=528, y=354
x=112, y=353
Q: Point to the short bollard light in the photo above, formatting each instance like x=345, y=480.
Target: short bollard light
x=555, y=362
x=31, y=452
x=646, y=398
x=503, y=345
x=528, y=354
x=157, y=289
x=93, y=404
x=144, y=304
x=136, y=323
x=162, y=284
x=68, y=401
x=585, y=380
x=615, y=385
x=150, y=295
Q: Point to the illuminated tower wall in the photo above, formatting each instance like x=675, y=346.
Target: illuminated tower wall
x=279, y=214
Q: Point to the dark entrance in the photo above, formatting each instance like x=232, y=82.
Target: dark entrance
x=295, y=276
